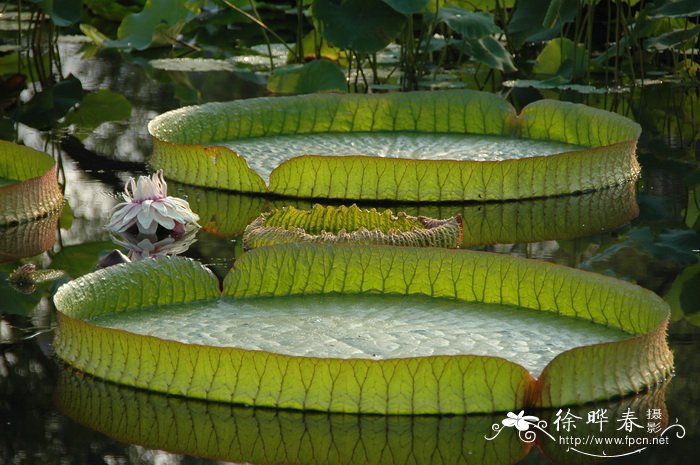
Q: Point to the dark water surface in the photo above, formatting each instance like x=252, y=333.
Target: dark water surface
x=52, y=415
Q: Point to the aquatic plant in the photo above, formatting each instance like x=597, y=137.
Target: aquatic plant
x=90, y=307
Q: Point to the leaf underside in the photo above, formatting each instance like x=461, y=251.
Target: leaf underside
x=417, y=385
x=185, y=146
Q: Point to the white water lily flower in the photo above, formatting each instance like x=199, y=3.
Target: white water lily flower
x=147, y=206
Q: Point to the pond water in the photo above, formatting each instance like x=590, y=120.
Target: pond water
x=52, y=415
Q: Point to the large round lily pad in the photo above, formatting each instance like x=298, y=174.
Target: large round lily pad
x=28, y=185
x=442, y=146
x=104, y=330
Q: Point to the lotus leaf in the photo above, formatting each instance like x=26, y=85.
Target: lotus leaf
x=271, y=278
x=190, y=146
x=350, y=224
x=30, y=189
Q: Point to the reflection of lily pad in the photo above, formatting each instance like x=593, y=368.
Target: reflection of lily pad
x=420, y=384
x=189, y=146
x=350, y=225
x=28, y=239
x=564, y=217
x=265, y=436
x=29, y=189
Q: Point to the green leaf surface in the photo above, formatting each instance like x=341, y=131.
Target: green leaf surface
x=315, y=76
x=51, y=104
x=97, y=108
x=468, y=24
x=77, y=260
x=364, y=26
x=671, y=40
x=157, y=24
x=407, y=7
x=401, y=385
x=676, y=9
x=561, y=57
x=62, y=12
x=31, y=189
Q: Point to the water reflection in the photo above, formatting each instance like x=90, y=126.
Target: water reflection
x=267, y=436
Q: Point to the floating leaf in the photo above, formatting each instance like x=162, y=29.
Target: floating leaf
x=435, y=384
x=97, y=108
x=350, y=225
x=30, y=189
x=607, y=159
x=315, y=76
x=51, y=104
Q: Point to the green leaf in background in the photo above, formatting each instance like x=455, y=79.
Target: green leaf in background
x=407, y=7
x=468, y=24
x=671, y=40
x=51, y=104
x=526, y=22
x=477, y=31
x=29, y=189
x=97, y=108
x=676, y=9
x=111, y=10
x=315, y=76
x=156, y=25
x=62, y=12
x=684, y=295
x=370, y=385
x=561, y=57
x=78, y=260
x=365, y=26
x=471, y=5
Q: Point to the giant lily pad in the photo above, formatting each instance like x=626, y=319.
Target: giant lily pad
x=135, y=324
x=28, y=185
x=503, y=159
